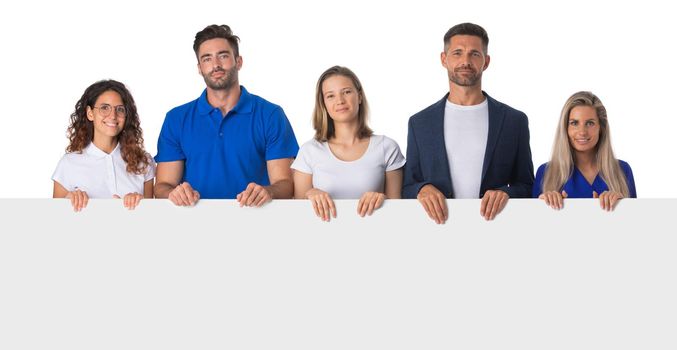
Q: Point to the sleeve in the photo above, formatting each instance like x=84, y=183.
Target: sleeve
x=280, y=138
x=169, y=142
x=150, y=172
x=60, y=174
x=303, y=161
x=538, y=183
x=393, y=156
x=630, y=178
x=522, y=179
x=413, y=178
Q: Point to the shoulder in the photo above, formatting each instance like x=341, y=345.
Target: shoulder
x=183, y=111
x=72, y=157
x=509, y=111
x=386, y=141
x=625, y=166
x=312, y=146
x=264, y=107
x=541, y=169
x=424, y=115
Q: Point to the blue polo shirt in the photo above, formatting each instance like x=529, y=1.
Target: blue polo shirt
x=223, y=154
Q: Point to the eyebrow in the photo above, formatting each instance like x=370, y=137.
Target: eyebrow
x=341, y=89
x=218, y=53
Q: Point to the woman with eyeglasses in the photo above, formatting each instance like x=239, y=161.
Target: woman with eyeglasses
x=583, y=164
x=105, y=157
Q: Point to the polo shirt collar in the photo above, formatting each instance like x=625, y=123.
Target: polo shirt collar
x=94, y=151
x=244, y=104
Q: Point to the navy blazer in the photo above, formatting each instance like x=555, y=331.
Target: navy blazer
x=507, y=160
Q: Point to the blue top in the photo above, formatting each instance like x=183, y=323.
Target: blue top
x=578, y=187
x=223, y=154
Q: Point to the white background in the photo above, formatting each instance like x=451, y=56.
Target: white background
x=541, y=53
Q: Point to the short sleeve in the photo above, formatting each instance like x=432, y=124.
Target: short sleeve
x=393, y=156
x=150, y=172
x=280, y=138
x=303, y=160
x=60, y=173
x=169, y=143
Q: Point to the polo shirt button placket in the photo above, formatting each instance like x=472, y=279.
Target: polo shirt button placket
x=110, y=174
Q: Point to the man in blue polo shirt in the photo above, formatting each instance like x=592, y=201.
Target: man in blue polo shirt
x=228, y=143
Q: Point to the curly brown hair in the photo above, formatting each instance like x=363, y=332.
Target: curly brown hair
x=81, y=129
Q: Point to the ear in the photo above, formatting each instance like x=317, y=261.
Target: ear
x=238, y=62
x=443, y=59
x=487, y=59
x=90, y=114
x=199, y=71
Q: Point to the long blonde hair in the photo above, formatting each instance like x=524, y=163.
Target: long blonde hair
x=561, y=165
x=322, y=122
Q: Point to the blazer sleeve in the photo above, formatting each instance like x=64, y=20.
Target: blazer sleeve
x=522, y=180
x=413, y=177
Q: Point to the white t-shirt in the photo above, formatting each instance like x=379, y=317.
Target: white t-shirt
x=99, y=174
x=349, y=180
x=466, y=129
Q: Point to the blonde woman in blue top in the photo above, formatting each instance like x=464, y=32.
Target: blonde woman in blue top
x=583, y=164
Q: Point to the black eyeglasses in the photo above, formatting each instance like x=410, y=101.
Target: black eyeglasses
x=105, y=110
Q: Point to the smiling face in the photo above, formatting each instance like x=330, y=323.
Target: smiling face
x=341, y=98
x=107, y=115
x=583, y=129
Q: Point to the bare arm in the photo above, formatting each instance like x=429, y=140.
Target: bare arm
x=302, y=184
x=148, y=189
x=393, y=184
x=59, y=191
x=168, y=175
x=279, y=173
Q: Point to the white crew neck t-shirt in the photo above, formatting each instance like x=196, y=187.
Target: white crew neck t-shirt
x=349, y=180
x=100, y=174
x=466, y=129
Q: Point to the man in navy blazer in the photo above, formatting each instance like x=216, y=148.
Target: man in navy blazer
x=467, y=145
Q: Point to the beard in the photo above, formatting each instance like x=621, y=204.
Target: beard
x=227, y=81
x=465, y=76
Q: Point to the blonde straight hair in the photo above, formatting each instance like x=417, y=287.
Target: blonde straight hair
x=561, y=165
x=322, y=122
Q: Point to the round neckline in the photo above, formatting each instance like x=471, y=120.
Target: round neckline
x=349, y=161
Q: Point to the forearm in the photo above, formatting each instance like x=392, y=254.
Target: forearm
x=162, y=189
x=282, y=189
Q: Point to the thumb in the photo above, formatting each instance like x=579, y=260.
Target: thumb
x=116, y=196
x=565, y=194
x=594, y=194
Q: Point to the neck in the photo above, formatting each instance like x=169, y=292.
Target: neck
x=345, y=133
x=105, y=143
x=586, y=160
x=224, y=100
x=465, y=95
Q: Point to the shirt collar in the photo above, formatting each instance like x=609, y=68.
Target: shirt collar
x=92, y=150
x=243, y=105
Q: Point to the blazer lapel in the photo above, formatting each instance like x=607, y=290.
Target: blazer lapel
x=437, y=137
x=496, y=117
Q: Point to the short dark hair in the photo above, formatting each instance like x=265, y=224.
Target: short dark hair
x=467, y=29
x=215, y=31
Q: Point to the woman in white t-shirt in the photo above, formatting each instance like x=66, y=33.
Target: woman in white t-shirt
x=345, y=160
x=105, y=157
